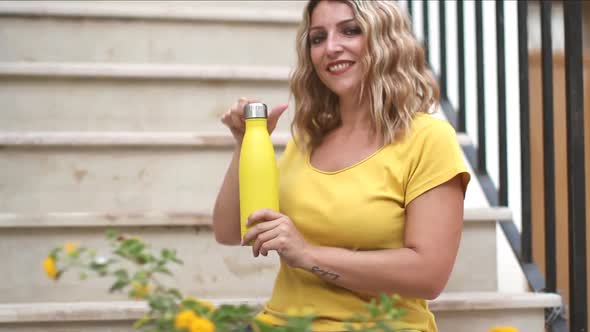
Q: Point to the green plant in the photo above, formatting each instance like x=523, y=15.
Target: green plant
x=138, y=271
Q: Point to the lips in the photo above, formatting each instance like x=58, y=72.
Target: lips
x=338, y=67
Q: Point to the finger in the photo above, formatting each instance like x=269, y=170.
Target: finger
x=273, y=244
x=242, y=103
x=263, y=238
x=275, y=114
x=263, y=215
x=254, y=231
x=237, y=121
x=246, y=100
x=225, y=118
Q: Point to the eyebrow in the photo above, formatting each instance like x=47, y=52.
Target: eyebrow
x=339, y=23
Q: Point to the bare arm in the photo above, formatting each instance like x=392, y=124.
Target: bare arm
x=421, y=269
x=226, y=213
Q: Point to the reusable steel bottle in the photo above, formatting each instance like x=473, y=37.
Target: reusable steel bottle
x=258, y=172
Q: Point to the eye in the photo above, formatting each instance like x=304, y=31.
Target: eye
x=317, y=38
x=353, y=30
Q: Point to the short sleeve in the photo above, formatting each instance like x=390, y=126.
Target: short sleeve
x=287, y=153
x=435, y=158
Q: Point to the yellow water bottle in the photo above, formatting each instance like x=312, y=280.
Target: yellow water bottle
x=258, y=172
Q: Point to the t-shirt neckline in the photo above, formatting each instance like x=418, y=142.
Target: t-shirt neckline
x=358, y=163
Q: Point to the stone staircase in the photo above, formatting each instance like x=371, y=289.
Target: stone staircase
x=110, y=120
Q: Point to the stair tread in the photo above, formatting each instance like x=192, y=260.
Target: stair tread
x=126, y=310
x=136, y=137
x=144, y=71
x=151, y=11
x=126, y=138
x=168, y=218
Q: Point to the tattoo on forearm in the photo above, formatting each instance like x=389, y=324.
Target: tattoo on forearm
x=324, y=273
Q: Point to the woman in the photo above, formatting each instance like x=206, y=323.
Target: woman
x=371, y=187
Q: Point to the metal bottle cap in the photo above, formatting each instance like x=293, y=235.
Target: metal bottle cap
x=255, y=110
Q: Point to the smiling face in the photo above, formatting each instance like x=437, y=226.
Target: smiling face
x=336, y=46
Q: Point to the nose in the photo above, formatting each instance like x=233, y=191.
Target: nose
x=333, y=45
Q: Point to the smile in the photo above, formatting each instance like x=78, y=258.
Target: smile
x=340, y=67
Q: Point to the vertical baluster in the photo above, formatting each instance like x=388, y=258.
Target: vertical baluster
x=525, y=144
x=461, y=116
x=481, y=119
x=548, y=145
x=426, y=28
x=501, y=64
x=442, y=26
x=572, y=12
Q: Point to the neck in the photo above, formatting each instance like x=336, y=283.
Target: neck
x=354, y=115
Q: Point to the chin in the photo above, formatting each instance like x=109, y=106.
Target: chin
x=345, y=91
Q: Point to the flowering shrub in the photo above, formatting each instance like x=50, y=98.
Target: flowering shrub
x=169, y=310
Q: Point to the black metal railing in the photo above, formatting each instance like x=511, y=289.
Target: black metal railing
x=574, y=87
x=497, y=194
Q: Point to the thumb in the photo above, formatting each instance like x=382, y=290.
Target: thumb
x=275, y=114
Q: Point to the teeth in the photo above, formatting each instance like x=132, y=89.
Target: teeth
x=339, y=66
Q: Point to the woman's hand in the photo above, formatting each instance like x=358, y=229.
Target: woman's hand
x=234, y=117
x=275, y=231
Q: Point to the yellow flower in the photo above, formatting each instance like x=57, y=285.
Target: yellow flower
x=202, y=325
x=50, y=267
x=503, y=329
x=140, y=289
x=70, y=247
x=207, y=304
x=184, y=319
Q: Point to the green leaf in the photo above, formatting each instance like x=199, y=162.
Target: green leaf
x=145, y=319
x=167, y=253
x=385, y=304
x=385, y=327
x=54, y=253
x=156, y=303
x=175, y=292
x=163, y=270
x=134, y=246
x=143, y=258
x=141, y=276
x=121, y=274
x=112, y=234
x=373, y=309
x=170, y=255
x=83, y=275
x=118, y=285
x=263, y=327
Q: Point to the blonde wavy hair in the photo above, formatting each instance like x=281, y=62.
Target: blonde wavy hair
x=397, y=84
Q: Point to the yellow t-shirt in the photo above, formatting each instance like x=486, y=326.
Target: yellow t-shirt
x=361, y=207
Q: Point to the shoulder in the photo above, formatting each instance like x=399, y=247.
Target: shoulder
x=291, y=153
x=426, y=129
x=429, y=126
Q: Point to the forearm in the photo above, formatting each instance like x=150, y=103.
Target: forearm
x=226, y=213
x=403, y=271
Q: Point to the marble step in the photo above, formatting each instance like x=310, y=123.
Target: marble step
x=53, y=171
x=199, y=32
x=210, y=269
x=58, y=172
x=131, y=97
x=458, y=312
